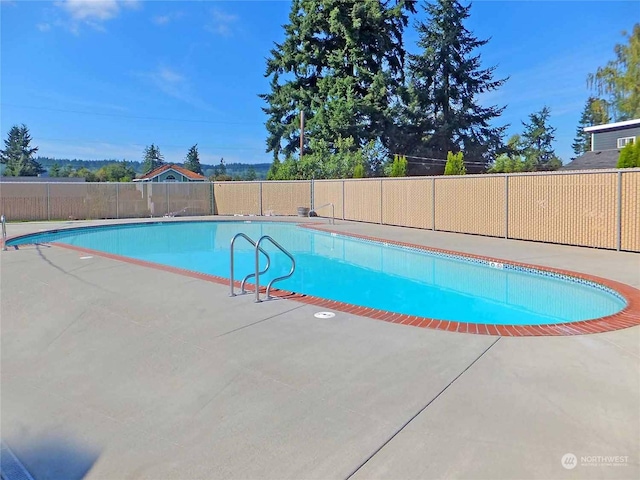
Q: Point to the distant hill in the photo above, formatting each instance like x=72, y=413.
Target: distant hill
x=233, y=169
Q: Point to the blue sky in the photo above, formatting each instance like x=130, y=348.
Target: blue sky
x=102, y=79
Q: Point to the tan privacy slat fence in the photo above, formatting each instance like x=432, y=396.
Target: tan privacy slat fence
x=232, y=198
x=408, y=202
x=574, y=209
x=133, y=201
x=187, y=198
x=471, y=205
x=82, y=200
x=329, y=191
x=630, y=211
x=595, y=209
x=24, y=201
x=284, y=198
x=363, y=200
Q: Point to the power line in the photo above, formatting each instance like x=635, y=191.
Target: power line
x=438, y=160
x=137, y=117
x=141, y=145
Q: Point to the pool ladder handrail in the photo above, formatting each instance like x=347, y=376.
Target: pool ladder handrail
x=333, y=211
x=277, y=279
x=244, y=280
x=3, y=220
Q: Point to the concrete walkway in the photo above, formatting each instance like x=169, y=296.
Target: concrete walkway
x=112, y=371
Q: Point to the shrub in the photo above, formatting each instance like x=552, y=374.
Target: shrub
x=455, y=164
x=399, y=166
x=627, y=156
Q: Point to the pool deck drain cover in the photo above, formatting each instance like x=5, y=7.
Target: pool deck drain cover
x=324, y=315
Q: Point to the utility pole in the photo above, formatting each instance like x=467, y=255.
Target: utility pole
x=301, y=133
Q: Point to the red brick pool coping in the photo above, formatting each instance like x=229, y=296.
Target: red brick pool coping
x=628, y=317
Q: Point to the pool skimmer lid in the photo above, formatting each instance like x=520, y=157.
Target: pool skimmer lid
x=324, y=315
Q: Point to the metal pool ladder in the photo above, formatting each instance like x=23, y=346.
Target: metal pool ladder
x=333, y=212
x=258, y=272
x=4, y=231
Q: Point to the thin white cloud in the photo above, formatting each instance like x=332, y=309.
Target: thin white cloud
x=173, y=84
x=92, y=13
x=44, y=27
x=222, y=23
x=162, y=20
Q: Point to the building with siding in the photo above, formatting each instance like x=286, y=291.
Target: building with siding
x=171, y=173
x=606, y=143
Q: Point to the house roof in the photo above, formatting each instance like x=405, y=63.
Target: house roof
x=170, y=166
x=594, y=160
x=609, y=126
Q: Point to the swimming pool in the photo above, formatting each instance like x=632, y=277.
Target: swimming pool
x=378, y=275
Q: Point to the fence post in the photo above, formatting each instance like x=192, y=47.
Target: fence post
x=260, y=197
x=506, y=206
x=433, y=205
x=117, y=200
x=166, y=191
x=312, y=184
x=342, y=199
x=48, y=201
x=381, y=201
x=213, y=199
x=619, y=214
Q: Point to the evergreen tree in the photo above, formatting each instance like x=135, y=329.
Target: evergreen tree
x=341, y=63
x=620, y=78
x=537, y=141
x=152, y=159
x=192, y=162
x=594, y=113
x=18, y=154
x=455, y=164
x=55, y=170
x=446, y=78
x=251, y=174
x=399, y=166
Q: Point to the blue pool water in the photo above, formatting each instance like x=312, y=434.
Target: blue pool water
x=358, y=272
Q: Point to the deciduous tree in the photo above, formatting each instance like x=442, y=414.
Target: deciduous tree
x=630, y=155
x=619, y=79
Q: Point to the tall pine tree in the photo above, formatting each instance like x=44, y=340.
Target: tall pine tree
x=192, y=162
x=18, y=154
x=442, y=112
x=152, y=159
x=594, y=113
x=536, y=142
x=341, y=63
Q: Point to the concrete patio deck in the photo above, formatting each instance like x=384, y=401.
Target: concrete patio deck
x=111, y=370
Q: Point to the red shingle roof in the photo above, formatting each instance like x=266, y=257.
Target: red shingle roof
x=169, y=166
